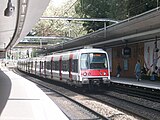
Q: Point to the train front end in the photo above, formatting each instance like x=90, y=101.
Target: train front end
x=94, y=68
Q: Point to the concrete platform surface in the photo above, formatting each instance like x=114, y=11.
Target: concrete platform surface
x=21, y=99
x=153, y=84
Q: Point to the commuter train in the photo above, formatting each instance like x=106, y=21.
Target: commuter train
x=84, y=67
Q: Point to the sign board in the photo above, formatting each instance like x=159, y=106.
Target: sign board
x=126, y=52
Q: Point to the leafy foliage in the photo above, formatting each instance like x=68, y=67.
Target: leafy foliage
x=100, y=9
x=112, y=9
x=136, y=7
x=57, y=27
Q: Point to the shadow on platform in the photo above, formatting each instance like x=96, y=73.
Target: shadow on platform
x=5, y=89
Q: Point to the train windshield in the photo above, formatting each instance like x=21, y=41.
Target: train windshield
x=94, y=61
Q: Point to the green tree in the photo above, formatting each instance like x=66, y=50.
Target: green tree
x=112, y=9
x=136, y=7
x=58, y=27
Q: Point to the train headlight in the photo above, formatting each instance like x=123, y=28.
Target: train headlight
x=89, y=73
x=84, y=73
x=105, y=78
x=105, y=73
x=101, y=73
x=85, y=81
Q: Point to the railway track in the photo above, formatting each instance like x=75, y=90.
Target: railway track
x=139, y=101
x=137, y=91
x=136, y=106
x=141, y=107
x=75, y=110
x=88, y=106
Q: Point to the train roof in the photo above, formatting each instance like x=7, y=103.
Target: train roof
x=82, y=51
x=91, y=50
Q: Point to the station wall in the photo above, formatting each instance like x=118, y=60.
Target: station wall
x=127, y=63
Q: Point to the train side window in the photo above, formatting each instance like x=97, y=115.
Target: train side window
x=41, y=64
x=75, y=65
x=84, y=61
x=65, y=65
x=48, y=65
x=35, y=64
x=53, y=65
x=32, y=64
x=38, y=64
x=45, y=64
x=56, y=65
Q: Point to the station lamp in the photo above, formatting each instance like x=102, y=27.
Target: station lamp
x=10, y=9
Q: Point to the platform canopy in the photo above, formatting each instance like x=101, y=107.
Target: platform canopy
x=140, y=28
x=17, y=17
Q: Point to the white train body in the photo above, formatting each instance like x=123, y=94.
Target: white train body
x=80, y=67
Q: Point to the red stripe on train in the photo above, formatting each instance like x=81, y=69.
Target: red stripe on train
x=103, y=72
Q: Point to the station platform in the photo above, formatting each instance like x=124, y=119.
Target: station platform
x=21, y=99
x=153, y=84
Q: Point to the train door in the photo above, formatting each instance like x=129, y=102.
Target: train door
x=35, y=67
x=60, y=67
x=28, y=67
x=70, y=66
x=45, y=68
x=32, y=67
x=52, y=67
x=40, y=67
x=24, y=65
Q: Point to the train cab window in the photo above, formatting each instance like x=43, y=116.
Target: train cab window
x=98, y=61
x=94, y=61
